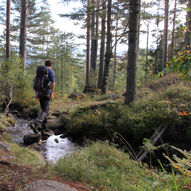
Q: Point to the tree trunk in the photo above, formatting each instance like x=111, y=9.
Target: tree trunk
x=173, y=30
x=115, y=55
x=108, y=53
x=188, y=25
x=8, y=27
x=88, y=45
x=102, y=48
x=165, y=41
x=133, y=40
x=93, y=38
x=23, y=31
x=146, y=57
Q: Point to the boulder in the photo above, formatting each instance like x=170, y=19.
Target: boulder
x=48, y=185
x=29, y=139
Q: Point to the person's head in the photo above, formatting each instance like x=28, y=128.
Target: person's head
x=48, y=63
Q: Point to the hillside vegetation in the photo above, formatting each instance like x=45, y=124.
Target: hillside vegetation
x=106, y=128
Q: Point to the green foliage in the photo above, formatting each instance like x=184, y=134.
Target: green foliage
x=137, y=121
x=183, y=164
x=106, y=168
x=181, y=64
x=26, y=156
x=5, y=121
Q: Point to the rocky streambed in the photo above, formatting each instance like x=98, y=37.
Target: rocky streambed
x=53, y=148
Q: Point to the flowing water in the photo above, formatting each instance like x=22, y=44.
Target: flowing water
x=55, y=147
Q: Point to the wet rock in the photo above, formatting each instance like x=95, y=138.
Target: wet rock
x=58, y=132
x=56, y=114
x=56, y=140
x=48, y=185
x=31, y=138
x=4, y=147
x=3, y=162
x=55, y=123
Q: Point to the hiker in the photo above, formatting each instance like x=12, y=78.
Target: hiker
x=43, y=84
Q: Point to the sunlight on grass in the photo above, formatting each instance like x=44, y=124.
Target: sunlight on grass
x=103, y=166
x=27, y=156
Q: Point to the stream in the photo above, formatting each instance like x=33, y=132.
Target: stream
x=55, y=147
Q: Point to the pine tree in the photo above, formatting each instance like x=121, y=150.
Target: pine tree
x=108, y=53
x=8, y=48
x=134, y=13
x=23, y=31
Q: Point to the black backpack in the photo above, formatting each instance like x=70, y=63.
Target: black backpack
x=41, y=82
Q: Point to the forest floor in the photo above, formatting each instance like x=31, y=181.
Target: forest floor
x=14, y=176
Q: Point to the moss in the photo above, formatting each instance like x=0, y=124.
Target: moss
x=138, y=121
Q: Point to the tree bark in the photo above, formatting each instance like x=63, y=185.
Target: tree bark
x=8, y=27
x=115, y=54
x=146, y=57
x=93, y=38
x=88, y=45
x=102, y=47
x=23, y=31
x=133, y=41
x=165, y=41
x=108, y=53
x=173, y=30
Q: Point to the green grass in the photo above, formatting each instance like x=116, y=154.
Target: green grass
x=104, y=167
x=26, y=156
x=5, y=121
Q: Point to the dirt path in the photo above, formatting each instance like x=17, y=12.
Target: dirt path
x=14, y=177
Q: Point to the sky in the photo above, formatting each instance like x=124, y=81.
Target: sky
x=67, y=25
x=64, y=24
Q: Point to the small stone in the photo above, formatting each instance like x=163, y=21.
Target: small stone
x=56, y=140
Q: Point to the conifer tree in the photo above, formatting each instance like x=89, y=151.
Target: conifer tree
x=108, y=53
x=134, y=13
x=23, y=31
x=8, y=48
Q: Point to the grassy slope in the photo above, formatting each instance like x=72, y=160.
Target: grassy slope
x=106, y=168
x=101, y=165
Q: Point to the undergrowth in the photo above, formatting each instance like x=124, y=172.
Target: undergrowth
x=106, y=168
x=137, y=121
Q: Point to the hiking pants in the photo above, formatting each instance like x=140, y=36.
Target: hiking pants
x=45, y=105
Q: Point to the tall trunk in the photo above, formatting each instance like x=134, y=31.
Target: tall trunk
x=165, y=41
x=62, y=71
x=108, y=53
x=8, y=27
x=93, y=38
x=88, y=45
x=115, y=54
x=102, y=48
x=146, y=57
x=173, y=30
x=188, y=25
x=23, y=31
x=133, y=40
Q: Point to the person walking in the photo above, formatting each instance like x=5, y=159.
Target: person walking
x=44, y=85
